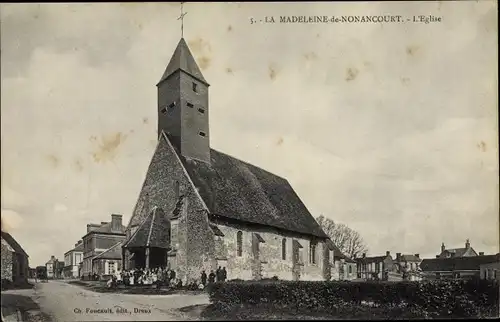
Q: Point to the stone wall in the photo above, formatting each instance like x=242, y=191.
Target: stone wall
x=7, y=260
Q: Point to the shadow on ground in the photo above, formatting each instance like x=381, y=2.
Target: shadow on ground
x=8, y=285
x=28, y=309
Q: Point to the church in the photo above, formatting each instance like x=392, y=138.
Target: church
x=200, y=209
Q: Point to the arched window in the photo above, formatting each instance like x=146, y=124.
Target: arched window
x=176, y=189
x=312, y=252
x=283, y=249
x=239, y=243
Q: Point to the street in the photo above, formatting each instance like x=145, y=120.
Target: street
x=66, y=302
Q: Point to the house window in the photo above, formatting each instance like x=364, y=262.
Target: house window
x=350, y=269
x=195, y=87
x=312, y=252
x=189, y=104
x=202, y=133
x=111, y=267
x=239, y=243
x=202, y=111
x=283, y=249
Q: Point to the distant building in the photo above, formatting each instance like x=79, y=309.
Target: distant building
x=490, y=271
x=52, y=266
x=409, y=266
x=459, y=267
x=466, y=251
x=72, y=260
x=108, y=262
x=376, y=267
x=341, y=267
x=15, y=267
x=99, y=239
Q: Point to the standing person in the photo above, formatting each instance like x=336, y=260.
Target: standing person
x=224, y=274
x=172, y=275
x=218, y=274
x=211, y=277
x=204, y=278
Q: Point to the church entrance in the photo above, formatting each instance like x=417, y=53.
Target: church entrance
x=152, y=257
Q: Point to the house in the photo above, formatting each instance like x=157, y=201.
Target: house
x=54, y=268
x=490, y=271
x=376, y=267
x=100, y=238
x=409, y=266
x=457, y=252
x=108, y=262
x=15, y=266
x=72, y=260
x=206, y=209
x=457, y=267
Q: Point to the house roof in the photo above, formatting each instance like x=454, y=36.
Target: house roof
x=409, y=258
x=154, y=231
x=13, y=243
x=106, y=228
x=238, y=190
x=368, y=260
x=458, y=263
x=182, y=59
x=337, y=253
x=114, y=252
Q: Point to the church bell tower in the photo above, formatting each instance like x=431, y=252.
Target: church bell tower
x=183, y=105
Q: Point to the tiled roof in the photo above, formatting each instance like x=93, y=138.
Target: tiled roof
x=106, y=228
x=457, y=251
x=410, y=258
x=238, y=190
x=458, y=263
x=183, y=59
x=114, y=252
x=154, y=231
x=13, y=243
x=368, y=260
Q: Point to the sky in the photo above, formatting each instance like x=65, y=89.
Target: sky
x=388, y=128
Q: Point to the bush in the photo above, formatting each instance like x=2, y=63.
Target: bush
x=443, y=298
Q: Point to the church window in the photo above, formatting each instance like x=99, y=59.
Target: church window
x=202, y=111
x=195, y=87
x=239, y=243
x=202, y=133
x=177, y=190
x=189, y=104
x=312, y=253
x=283, y=249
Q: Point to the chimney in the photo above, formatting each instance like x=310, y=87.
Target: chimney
x=481, y=253
x=417, y=255
x=442, y=247
x=52, y=257
x=364, y=255
x=116, y=222
x=467, y=243
x=398, y=256
x=387, y=253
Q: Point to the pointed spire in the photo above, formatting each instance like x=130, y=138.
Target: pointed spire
x=182, y=59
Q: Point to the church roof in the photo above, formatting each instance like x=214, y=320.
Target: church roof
x=182, y=59
x=13, y=243
x=238, y=190
x=154, y=231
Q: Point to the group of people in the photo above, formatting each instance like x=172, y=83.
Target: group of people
x=163, y=277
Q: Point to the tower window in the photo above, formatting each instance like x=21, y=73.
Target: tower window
x=189, y=104
x=202, y=133
x=195, y=87
x=202, y=111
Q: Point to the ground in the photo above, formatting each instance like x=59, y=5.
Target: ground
x=61, y=301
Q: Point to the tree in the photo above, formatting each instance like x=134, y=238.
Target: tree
x=347, y=240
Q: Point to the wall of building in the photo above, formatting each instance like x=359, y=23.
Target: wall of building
x=7, y=263
x=268, y=260
x=490, y=271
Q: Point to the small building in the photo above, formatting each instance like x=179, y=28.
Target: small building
x=100, y=238
x=457, y=267
x=54, y=268
x=490, y=271
x=72, y=260
x=342, y=268
x=466, y=251
x=15, y=267
x=109, y=262
x=409, y=266
x=375, y=268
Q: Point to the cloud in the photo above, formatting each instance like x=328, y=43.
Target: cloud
x=11, y=220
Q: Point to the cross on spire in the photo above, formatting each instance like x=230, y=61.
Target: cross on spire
x=181, y=18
